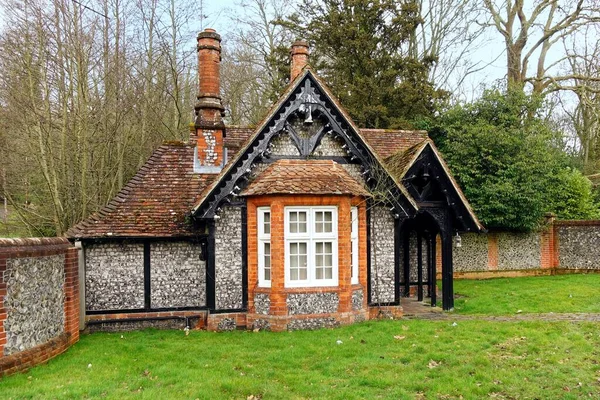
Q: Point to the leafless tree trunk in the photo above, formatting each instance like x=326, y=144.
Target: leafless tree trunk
x=530, y=32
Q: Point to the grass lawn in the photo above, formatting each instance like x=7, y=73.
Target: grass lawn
x=542, y=294
x=412, y=359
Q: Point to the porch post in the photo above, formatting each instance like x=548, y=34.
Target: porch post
x=447, y=274
x=407, y=263
x=419, y=266
x=432, y=270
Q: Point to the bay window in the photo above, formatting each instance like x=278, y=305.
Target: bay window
x=311, y=257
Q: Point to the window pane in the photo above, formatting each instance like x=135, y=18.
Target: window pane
x=298, y=261
x=302, y=216
x=267, y=274
x=302, y=227
x=303, y=274
x=318, y=260
x=327, y=217
x=302, y=261
x=267, y=223
x=352, y=260
x=328, y=273
x=319, y=247
x=328, y=247
x=328, y=260
x=319, y=227
x=323, y=222
x=319, y=274
x=302, y=247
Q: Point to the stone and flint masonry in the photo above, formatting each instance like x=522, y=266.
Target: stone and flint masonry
x=306, y=221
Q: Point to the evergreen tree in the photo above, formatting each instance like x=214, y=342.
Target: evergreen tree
x=506, y=161
x=359, y=47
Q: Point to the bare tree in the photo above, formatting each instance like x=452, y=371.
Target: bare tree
x=256, y=65
x=91, y=92
x=448, y=37
x=583, y=109
x=530, y=33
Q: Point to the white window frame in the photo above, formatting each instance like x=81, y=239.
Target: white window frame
x=311, y=237
x=354, y=244
x=263, y=239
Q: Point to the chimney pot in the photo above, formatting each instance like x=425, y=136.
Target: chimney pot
x=299, y=55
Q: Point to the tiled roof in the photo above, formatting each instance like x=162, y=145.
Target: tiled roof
x=305, y=177
x=155, y=202
x=398, y=164
x=235, y=137
x=386, y=142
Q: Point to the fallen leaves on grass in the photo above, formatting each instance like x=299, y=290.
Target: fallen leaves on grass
x=398, y=337
x=433, y=364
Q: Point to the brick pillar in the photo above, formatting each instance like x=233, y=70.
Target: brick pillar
x=547, y=243
x=3, y=313
x=493, y=252
x=72, y=294
x=252, y=253
x=344, y=258
x=299, y=58
x=278, y=296
x=210, y=129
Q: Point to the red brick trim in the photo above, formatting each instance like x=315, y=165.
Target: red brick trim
x=213, y=320
x=577, y=223
x=493, y=252
x=521, y=273
x=503, y=273
x=385, y=312
x=278, y=323
x=36, y=355
x=41, y=247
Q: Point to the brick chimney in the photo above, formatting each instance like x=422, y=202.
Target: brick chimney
x=299, y=55
x=209, y=126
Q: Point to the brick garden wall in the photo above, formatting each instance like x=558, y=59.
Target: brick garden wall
x=39, y=301
x=560, y=247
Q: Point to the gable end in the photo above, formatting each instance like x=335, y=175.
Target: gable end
x=307, y=98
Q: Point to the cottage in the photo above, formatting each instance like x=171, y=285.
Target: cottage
x=306, y=221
